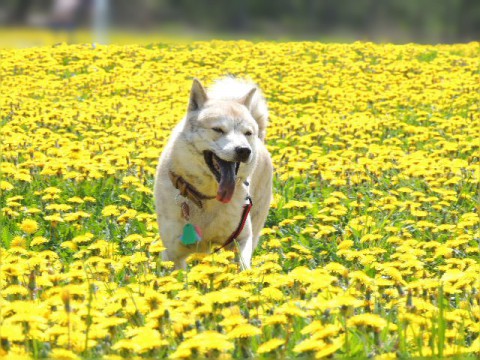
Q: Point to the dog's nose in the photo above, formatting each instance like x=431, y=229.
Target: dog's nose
x=243, y=153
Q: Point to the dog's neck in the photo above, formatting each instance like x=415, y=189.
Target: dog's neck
x=188, y=190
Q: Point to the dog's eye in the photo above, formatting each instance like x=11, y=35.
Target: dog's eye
x=218, y=130
x=248, y=133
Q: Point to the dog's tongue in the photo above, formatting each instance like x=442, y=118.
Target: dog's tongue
x=227, y=180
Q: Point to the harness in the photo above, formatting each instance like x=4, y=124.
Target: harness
x=191, y=233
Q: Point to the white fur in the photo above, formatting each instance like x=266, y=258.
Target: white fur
x=230, y=88
x=225, y=107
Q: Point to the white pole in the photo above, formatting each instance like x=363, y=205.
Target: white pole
x=100, y=21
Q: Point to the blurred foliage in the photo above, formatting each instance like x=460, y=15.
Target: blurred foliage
x=378, y=20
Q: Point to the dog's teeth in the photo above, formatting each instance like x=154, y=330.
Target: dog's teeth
x=215, y=164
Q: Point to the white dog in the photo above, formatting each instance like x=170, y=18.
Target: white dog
x=214, y=169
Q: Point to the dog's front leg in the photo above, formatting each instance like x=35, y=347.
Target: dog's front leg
x=246, y=246
x=178, y=261
x=174, y=250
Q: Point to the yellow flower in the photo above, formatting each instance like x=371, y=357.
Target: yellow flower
x=146, y=339
x=345, y=245
x=372, y=320
x=345, y=300
x=126, y=344
x=227, y=295
x=276, y=319
x=272, y=293
x=211, y=340
x=330, y=348
x=76, y=200
x=292, y=204
x=309, y=345
x=63, y=354
x=233, y=320
x=320, y=331
x=56, y=218
x=125, y=197
x=112, y=322
x=270, y=345
x=182, y=352
x=419, y=213
x=18, y=242
x=110, y=210
x=15, y=290
x=6, y=186
x=243, y=331
x=203, y=342
x=83, y=239
x=29, y=226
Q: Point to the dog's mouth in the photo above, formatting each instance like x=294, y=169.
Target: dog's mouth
x=225, y=173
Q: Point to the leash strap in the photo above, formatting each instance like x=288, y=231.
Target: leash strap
x=246, y=210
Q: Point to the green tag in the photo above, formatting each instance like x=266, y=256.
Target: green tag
x=191, y=234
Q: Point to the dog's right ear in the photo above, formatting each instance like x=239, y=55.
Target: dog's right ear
x=198, y=96
x=247, y=99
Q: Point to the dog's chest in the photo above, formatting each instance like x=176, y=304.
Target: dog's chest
x=216, y=221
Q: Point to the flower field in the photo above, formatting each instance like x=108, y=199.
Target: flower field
x=371, y=247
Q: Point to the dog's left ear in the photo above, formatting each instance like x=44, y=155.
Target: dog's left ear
x=247, y=99
x=198, y=96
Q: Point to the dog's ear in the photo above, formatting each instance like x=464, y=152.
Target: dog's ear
x=198, y=96
x=247, y=99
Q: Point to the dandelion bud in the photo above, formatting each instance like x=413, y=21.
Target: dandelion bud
x=32, y=283
x=66, y=300
x=409, y=300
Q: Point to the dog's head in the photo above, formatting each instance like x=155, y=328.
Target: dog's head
x=225, y=132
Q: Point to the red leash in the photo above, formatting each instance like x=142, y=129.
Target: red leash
x=241, y=225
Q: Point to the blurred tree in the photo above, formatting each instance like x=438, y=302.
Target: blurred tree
x=397, y=20
x=20, y=11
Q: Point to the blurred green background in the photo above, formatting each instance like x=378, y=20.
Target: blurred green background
x=398, y=21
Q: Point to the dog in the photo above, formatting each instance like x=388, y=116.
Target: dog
x=213, y=183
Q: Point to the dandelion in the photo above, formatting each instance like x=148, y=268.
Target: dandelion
x=147, y=339
x=276, y=319
x=233, y=320
x=110, y=210
x=270, y=345
x=243, y=331
x=272, y=293
x=211, y=340
x=345, y=301
x=64, y=354
x=292, y=204
x=29, y=226
x=320, y=331
x=330, y=348
x=309, y=345
x=54, y=219
x=76, y=200
x=70, y=217
x=83, y=239
x=372, y=320
x=18, y=242
x=126, y=344
x=6, y=186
